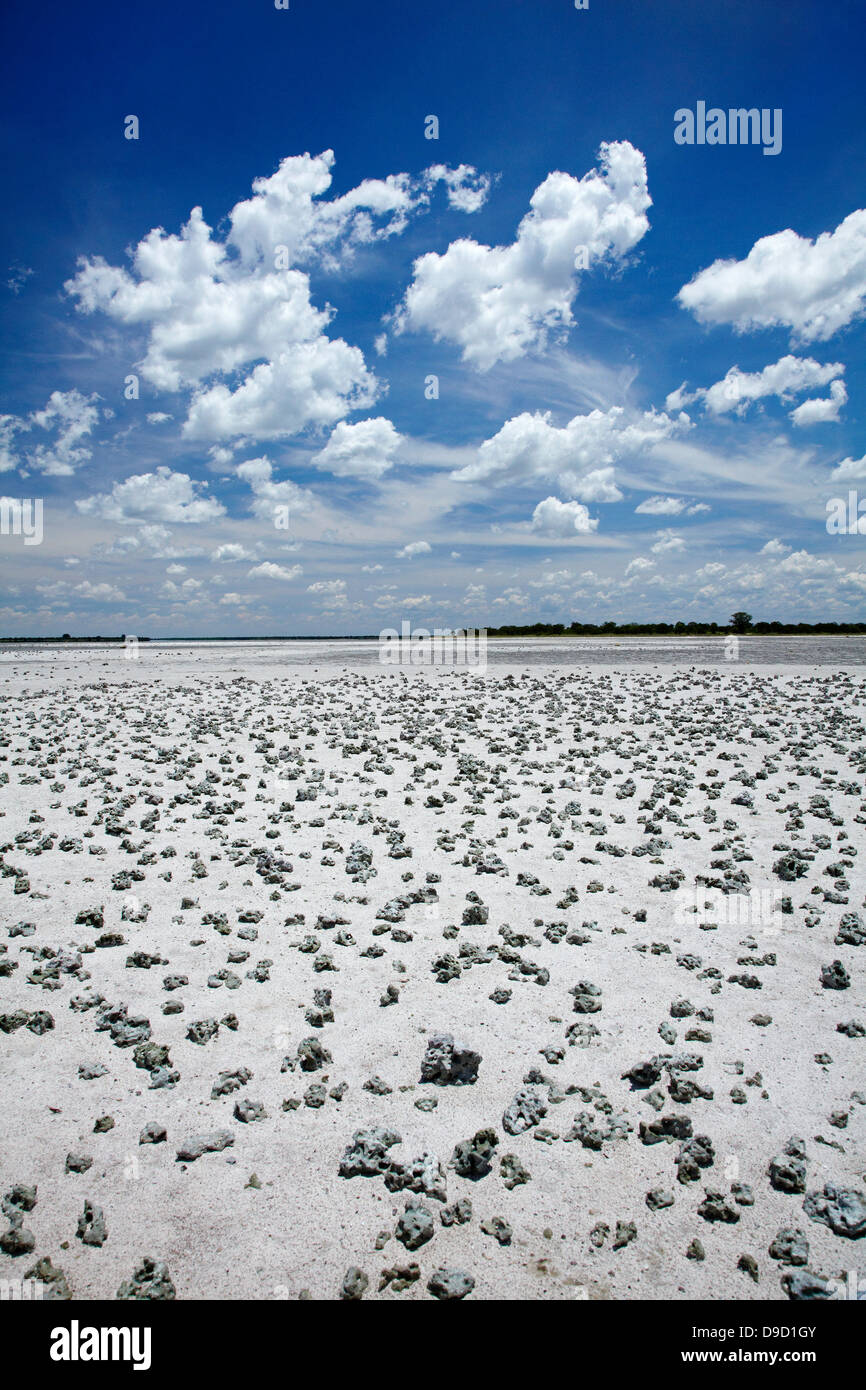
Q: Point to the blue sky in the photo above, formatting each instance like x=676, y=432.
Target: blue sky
x=648, y=355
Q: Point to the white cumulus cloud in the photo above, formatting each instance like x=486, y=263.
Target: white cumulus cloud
x=775, y=547
x=231, y=551
x=639, y=565
x=667, y=541
x=467, y=189
x=312, y=383
x=154, y=497
x=790, y=376
x=241, y=304
x=496, y=303
x=364, y=450
x=578, y=457
x=268, y=494
x=412, y=549
x=849, y=468
x=821, y=411
x=70, y=417
x=268, y=570
x=214, y=307
x=814, y=288
x=9, y=427
x=661, y=506
x=329, y=587
x=555, y=518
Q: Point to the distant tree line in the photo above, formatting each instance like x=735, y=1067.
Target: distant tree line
x=739, y=623
x=66, y=638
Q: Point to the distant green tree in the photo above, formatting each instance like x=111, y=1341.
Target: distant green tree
x=741, y=622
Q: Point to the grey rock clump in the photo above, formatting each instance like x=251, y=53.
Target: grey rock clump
x=694, y=1155
x=10, y=1023
x=787, y=1171
x=835, y=976
x=150, y=1281
x=78, y=1163
x=446, y=1284
x=852, y=930
x=789, y=1247
x=446, y=968
x=683, y=1092
x=312, y=1056
x=202, y=1030
x=55, y=1288
x=153, y=1133
x=355, y=1283
x=659, y=1198
x=457, y=1214
x=399, y=1277
x=527, y=1109
x=377, y=1087
x=587, y=997
x=499, y=1228
x=802, y=1284
x=841, y=1208
x=18, y=1199
x=716, y=1207
x=472, y=1157
x=199, y=1144
x=17, y=1240
x=424, y=1174
x=92, y=1229
x=151, y=1056
x=125, y=1031
x=665, y=1129
x=681, y=1008
x=592, y=1128
x=247, y=1111
x=644, y=1074
x=358, y=861
x=626, y=1232
x=512, y=1171
x=90, y=917
x=448, y=1062
x=161, y=1077
x=791, y=866
x=475, y=915
x=415, y=1226
x=367, y=1155
x=40, y=1023
x=230, y=1081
